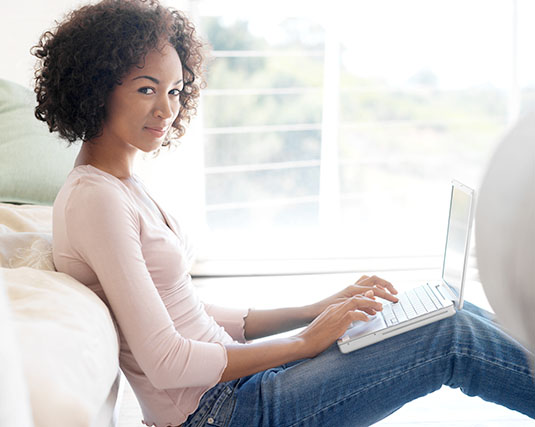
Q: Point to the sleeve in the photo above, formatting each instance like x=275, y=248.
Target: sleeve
x=104, y=228
x=231, y=319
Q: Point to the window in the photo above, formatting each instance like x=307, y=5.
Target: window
x=333, y=130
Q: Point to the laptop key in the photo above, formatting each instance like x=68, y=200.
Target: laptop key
x=389, y=316
x=407, y=307
x=424, y=298
x=398, y=311
x=416, y=303
x=413, y=303
x=435, y=300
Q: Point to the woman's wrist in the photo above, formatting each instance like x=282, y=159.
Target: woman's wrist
x=248, y=359
x=261, y=323
x=311, y=311
x=300, y=347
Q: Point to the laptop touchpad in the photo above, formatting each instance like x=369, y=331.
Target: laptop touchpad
x=359, y=328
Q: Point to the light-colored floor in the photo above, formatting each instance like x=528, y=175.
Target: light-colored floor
x=446, y=407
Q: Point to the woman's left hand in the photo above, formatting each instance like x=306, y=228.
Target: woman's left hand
x=370, y=286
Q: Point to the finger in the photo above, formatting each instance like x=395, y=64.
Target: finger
x=353, y=290
x=362, y=278
x=370, y=294
x=380, y=283
x=381, y=293
x=384, y=284
x=353, y=316
x=363, y=302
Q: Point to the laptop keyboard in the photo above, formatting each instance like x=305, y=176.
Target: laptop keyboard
x=412, y=303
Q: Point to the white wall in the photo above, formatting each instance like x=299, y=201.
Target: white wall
x=22, y=23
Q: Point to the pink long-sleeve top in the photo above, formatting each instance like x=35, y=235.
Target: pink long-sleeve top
x=109, y=234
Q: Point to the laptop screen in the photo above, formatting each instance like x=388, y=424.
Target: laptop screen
x=458, y=238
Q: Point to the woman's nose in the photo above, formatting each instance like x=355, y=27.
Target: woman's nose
x=164, y=109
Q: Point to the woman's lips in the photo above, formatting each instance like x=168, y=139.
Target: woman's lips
x=157, y=132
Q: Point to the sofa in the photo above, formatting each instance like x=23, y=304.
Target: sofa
x=59, y=357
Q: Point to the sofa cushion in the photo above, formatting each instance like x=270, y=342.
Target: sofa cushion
x=33, y=162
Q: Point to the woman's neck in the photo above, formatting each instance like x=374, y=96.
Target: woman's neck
x=99, y=156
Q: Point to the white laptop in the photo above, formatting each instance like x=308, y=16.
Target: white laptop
x=432, y=301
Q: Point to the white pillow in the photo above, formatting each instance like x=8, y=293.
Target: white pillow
x=26, y=236
x=14, y=398
x=26, y=217
x=25, y=249
x=68, y=345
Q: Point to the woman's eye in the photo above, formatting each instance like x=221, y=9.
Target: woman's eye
x=174, y=92
x=146, y=90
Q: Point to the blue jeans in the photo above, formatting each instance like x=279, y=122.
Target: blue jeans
x=467, y=350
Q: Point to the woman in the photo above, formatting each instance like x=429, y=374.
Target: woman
x=123, y=77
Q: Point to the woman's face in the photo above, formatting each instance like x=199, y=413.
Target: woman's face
x=141, y=110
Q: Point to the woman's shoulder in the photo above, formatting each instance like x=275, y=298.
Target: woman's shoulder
x=88, y=188
x=90, y=181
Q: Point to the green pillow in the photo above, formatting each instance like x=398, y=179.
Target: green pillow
x=33, y=162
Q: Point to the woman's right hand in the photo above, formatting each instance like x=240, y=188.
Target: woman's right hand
x=333, y=322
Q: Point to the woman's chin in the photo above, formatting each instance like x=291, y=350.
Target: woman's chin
x=151, y=146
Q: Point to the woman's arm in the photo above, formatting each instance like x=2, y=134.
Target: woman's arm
x=262, y=323
x=103, y=228
x=248, y=359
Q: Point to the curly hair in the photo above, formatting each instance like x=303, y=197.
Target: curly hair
x=86, y=55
